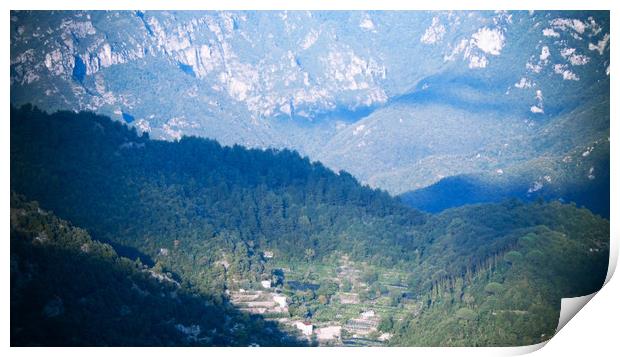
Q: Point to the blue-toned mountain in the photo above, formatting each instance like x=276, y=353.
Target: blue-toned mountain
x=400, y=99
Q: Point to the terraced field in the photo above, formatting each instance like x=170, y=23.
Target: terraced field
x=331, y=304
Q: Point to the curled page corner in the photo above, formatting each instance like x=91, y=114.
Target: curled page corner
x=523, y=350
x=613, y=260
x=570, y=307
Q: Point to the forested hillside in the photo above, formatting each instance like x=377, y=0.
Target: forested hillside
x=496, y=273
x=69, y=290
x=198, y=200
x=207, y=215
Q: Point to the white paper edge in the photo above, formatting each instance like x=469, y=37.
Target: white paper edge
x=569, y=306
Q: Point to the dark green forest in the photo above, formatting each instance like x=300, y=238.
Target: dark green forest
x=488, y=274
x=69, y=290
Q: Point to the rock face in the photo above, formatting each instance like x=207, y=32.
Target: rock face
x=303, y=79
x=267, y=63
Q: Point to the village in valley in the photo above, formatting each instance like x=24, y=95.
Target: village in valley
x=343, y=304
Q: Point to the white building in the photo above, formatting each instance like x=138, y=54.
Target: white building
x=305, y=327
x=266, y=284
x=385, y=336
x=368, y=314
x=280, y=300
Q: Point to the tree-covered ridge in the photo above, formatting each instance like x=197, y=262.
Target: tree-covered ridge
x=512, y=298
x=128, y=189
x=207, y=215
x=69, y=290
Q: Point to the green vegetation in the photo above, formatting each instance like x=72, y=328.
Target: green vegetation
x=69, y=290
x=496, y=306
x=193, y=203
x=206, y=216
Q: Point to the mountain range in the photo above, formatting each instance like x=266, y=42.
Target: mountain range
x=195, y=225
x=400, y=99
x=304, y=178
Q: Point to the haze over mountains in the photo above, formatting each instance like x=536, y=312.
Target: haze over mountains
x=399, y=99
x=348, y=178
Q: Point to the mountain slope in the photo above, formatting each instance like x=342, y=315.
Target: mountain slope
x=148, y=194
x=572, y=165
x=307, y=80
x=68, y=290
x=208, y=214
x=514, y=292
x=419, y=142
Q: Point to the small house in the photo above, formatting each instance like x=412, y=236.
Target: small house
x=305, y=327
x=280, y=300
x=368, y=314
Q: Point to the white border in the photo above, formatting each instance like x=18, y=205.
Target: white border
x=592, y=330
x=312, y=5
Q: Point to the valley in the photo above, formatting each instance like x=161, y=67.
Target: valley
x=279, y=238
x=331, y=303
x=485, y=94
x=306, y=178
